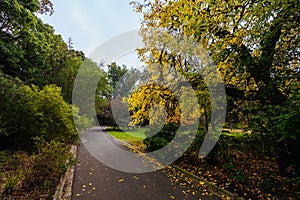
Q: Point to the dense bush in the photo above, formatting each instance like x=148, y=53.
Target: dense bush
x=51, y=115
x=162, y=138
x=39, y=124
x=14, y=112
x=230, y=146
x=27, y=112
x=286, y=129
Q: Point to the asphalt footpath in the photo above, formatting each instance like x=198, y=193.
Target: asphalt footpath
x=94, y=180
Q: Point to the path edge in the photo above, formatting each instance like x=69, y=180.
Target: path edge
x=64, y=188
x=218, y=191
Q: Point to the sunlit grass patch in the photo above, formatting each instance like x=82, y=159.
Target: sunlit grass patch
x=132, y=136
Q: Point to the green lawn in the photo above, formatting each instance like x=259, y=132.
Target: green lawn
x=129, y=135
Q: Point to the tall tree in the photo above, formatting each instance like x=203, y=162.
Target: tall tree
x=30, y=49
x=255, y=45
x=115, y=73
x=257, y=54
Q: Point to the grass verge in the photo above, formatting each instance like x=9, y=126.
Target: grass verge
x=132, y=136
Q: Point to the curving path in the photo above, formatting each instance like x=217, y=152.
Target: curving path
x=94, y=180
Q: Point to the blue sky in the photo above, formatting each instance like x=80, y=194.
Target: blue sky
x=91, y=22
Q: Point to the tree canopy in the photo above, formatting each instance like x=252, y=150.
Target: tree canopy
x=255, y=44
x=37, y=73
x=31, y=50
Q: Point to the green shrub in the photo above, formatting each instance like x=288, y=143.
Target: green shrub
x=14, y=112
x=286, y=129
x=51, y=115
x=27, y=112
x=82, y=122
x=162, y=138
